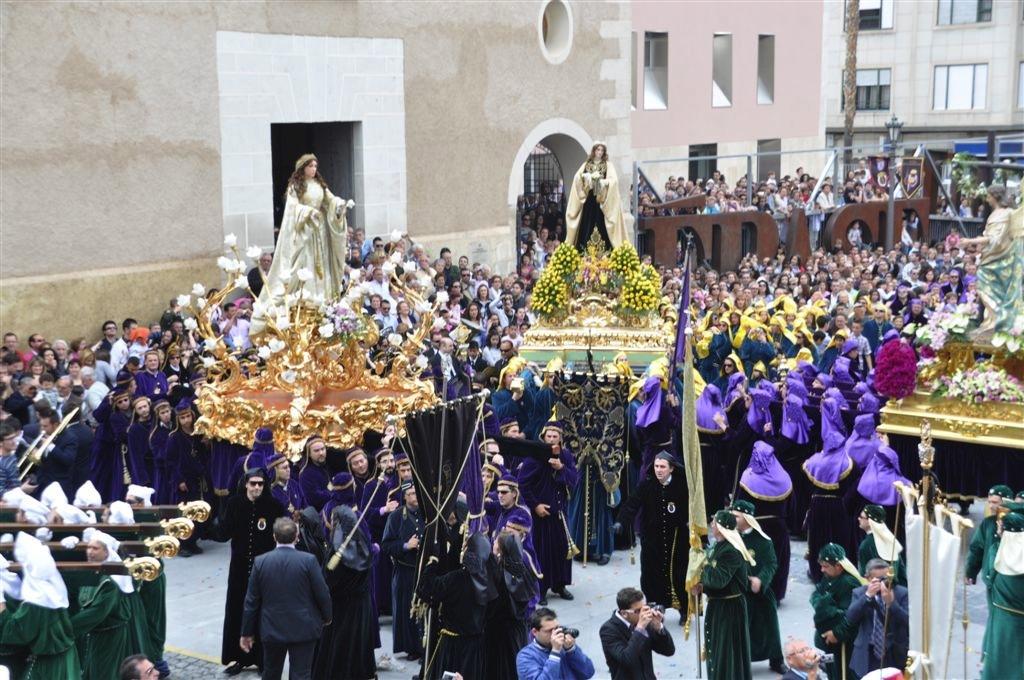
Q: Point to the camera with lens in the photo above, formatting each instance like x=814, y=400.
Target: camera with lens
x=571, y=632
x=660, y=608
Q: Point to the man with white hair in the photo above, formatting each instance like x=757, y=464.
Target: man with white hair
x=802, y=659
x=95, y=392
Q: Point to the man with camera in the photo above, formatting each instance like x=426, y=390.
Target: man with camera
x=553, y=654
x=634, y=631
x=879, y=609
x=803, y=660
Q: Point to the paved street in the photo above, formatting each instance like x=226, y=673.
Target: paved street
x=196, y=600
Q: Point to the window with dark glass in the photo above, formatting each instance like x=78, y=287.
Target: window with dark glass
x=873, y=86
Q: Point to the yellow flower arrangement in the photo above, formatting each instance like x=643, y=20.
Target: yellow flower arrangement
x=551, y=294
x=624, y=259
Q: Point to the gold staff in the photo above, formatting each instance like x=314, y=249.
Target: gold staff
x=35, y=456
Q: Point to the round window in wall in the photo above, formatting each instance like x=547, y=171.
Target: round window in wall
x=554, y=30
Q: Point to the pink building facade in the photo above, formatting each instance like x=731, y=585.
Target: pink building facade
x=718, y=79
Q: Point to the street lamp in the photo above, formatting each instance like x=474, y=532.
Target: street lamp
x=894, y=126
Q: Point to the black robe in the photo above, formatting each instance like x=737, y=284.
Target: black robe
x=664, y=538
x=347, y=643
x=249, y=527
x=401, y=526
x=505, y=631
x=459, y=623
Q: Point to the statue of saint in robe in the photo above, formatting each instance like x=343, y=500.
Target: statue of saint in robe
x=1000, y=267
x=313, y=237
x=594, y=204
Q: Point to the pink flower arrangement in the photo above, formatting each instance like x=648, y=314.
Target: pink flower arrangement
x=981, y=384
x=896, y=370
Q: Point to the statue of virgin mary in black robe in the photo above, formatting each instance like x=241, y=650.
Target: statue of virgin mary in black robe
x=594, y=204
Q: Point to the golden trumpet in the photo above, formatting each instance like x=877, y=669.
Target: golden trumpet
x=573, y=548
x=34, y=455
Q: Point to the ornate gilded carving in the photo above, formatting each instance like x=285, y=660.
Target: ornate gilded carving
x=180, y=528
x=163, y=546
x=197, y=511
x=310, y=375
x=143, y=568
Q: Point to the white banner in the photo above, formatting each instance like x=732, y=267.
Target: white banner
x=936, y=588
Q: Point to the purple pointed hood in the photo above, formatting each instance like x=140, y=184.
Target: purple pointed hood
x=841, y=372
x=868, y=404
x=795, y=423
x=830, y=465
x=824, y=380
x=796, y=388
x=764, y=477
x=832, y=417
x=708, y=404
x=759, y=413
x=863, y=443
x=879, y=475
x=650, y=411
x=735, y=381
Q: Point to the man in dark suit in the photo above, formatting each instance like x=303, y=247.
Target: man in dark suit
x=879, y=643
x=289, y=596
x=58, y=462
x=803, y=661
x=631, y=634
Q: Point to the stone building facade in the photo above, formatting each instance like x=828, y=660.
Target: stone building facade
x=136, y=135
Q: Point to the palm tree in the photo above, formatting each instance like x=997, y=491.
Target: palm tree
x=852, y=22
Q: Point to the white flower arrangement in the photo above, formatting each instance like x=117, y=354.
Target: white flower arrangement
x=264, y=352
x=253, y=252
x=304, y=274
x=396, y=236
x=230, y=240
x=327, y=330
x=191, y=324
x=395, y=339
x=184, y=300
x=275, y=345
x=289, y=376
x=241, y=282
x=198, y=289
x=441, y=297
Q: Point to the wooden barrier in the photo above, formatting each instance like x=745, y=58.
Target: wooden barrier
x=719, y=238
x=872, y=215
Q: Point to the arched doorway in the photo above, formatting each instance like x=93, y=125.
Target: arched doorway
x=544, y=167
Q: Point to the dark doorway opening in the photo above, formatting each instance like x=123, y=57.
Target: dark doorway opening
x=334, y=145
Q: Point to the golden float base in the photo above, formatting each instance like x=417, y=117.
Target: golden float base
x=592, y=326
x=988, y=424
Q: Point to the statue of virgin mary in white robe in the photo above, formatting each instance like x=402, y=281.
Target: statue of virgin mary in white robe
x=313, y=238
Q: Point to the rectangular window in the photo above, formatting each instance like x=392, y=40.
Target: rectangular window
x=875, y=14
x=655, y=70
x=960, y=88
x=964, y=11
x=721, y=70
x=769, y=158
x=873, y=89
x=765, y=69
x=632, y=68
x=703, y=169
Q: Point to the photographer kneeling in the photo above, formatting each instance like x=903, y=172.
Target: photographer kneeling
x=634, y=631
x=553, y=654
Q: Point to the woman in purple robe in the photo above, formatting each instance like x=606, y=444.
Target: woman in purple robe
x=545, y=487
x=712, y=426
x=828, y=521
x=768, y=486
x=656, y=420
